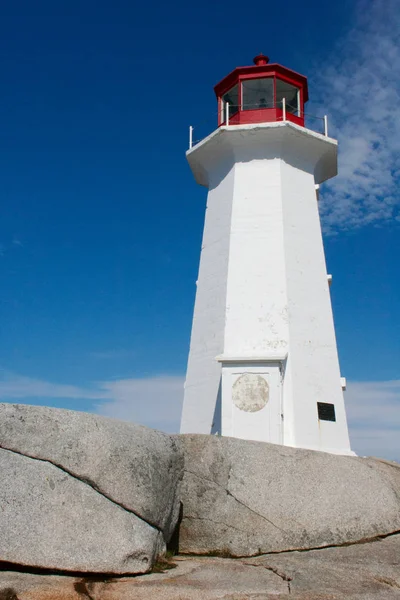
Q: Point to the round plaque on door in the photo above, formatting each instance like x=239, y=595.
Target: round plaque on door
x=250, y=392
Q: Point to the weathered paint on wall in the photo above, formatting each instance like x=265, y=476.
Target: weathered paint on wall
x=208, y=328
x=263, y=297
x=252, y=411
x=250, y=392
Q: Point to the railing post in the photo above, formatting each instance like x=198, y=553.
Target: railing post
x=190, y=137
x=284, y=109
x=227, y=113
x=326, y=125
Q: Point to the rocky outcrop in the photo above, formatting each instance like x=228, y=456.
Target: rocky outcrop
x=364, y=572
x=84, y=493
x=244, y=498
x=53, y=521
x=134, y=466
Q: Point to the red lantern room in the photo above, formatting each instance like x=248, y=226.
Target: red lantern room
x=261, y=93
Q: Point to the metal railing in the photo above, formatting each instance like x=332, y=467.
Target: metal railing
x=229, y=110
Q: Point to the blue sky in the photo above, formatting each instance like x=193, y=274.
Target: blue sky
x=101, y=221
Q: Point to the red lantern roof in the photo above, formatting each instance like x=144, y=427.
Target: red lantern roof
x=261, y=93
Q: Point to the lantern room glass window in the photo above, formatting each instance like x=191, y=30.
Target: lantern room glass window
x=291, y=95
x=233, y=98
x=258, y=93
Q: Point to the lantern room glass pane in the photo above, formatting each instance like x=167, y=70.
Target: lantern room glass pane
x=291, y=95
x=258, y=93
x=233, y=98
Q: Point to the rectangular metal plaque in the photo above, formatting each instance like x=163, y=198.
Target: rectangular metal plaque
x=326, y=411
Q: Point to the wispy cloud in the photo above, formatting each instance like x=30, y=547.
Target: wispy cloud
x=7, y=247
x=373, y=407
x=154, y=401
x=359, y=88
x=13, y=386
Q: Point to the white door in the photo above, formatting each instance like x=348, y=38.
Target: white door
x=252, y=403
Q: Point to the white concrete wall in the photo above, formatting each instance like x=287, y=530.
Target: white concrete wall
x=256, y=307
x=262, y=287
x=313, y=366
x=208, y=328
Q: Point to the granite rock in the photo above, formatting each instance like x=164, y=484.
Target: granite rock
x=135, y=467
x=51, y=520
x=243, y=498
x=368, y=571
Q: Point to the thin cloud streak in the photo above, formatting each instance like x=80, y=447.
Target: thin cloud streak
x=155, y=401
x=13, y=386
x=360, y=91
x=373, y=407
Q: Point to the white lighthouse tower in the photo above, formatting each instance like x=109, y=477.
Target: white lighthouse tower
x=263, y=362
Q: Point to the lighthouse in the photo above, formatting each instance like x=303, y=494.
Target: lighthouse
x=263, y=362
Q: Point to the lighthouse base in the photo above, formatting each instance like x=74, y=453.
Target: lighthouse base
x=251, y=398
x=250, y=403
